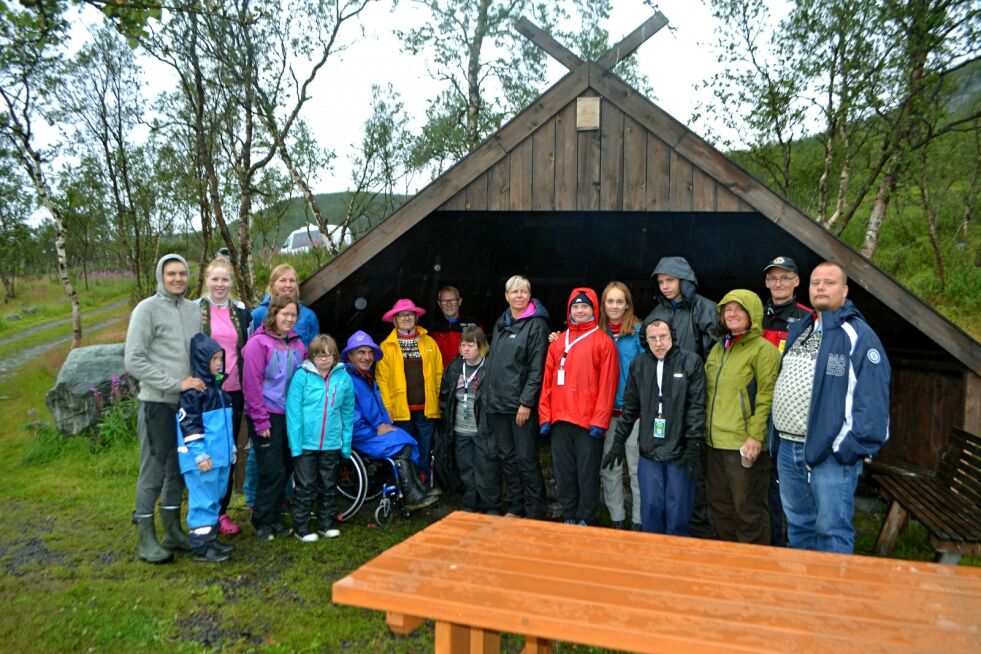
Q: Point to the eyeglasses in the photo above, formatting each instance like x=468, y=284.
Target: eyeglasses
x=786, y=279
x=659, y=339
x=324, y=355
x=450, y=301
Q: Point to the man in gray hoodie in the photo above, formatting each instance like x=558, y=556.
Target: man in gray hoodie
x=158, y=356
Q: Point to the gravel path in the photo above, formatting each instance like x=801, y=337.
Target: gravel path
x=59, y=321
x=15, y=361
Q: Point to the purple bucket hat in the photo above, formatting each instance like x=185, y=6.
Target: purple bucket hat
x=360, y=339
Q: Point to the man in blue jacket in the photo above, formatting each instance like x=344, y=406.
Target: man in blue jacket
x=830, y=411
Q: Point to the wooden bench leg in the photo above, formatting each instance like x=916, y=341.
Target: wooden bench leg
x=534, y=645
x=401, y=623
x=461, y=639
x=890, y=529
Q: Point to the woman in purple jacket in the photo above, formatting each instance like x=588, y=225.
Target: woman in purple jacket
x=271, y=356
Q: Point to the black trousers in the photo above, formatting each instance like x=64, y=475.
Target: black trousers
x=315, y=480
x=275, y=464
x=517, y=451
x=467, y=462
x=576, y=466
x=238, y=404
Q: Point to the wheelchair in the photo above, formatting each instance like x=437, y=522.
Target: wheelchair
x=365, y=480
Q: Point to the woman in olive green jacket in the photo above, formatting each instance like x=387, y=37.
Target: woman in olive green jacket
x=741, y=371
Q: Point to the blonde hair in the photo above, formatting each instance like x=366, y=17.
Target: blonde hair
x=276, y=273
x=629, y=322
x=220, y=262
x=324, y=344
x=515, y=282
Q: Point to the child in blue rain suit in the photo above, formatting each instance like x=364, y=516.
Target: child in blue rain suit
x=206, y=448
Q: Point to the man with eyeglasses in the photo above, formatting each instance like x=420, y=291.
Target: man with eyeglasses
x=781, y=312
x=782, y=308
x=830, y=411
x=447, y=328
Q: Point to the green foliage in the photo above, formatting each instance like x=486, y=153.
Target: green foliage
x=118, y=425
x=47, y=445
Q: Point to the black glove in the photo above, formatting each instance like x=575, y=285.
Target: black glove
x=692, y=458
x=616, y=455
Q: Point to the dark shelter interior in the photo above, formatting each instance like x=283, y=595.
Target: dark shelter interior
x=557, y=251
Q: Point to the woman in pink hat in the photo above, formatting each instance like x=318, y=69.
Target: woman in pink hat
x=409, y=376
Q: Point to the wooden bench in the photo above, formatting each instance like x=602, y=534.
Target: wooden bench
x=477, y=576
x=946, y=503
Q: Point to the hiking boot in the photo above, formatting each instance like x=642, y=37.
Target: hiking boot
x=636, y=526
x=210, y=554
x=616, y=524
x=174, y=537
x=307, y=536
x=280, y=529
x=227, y=527
x=149, y=549
x=265, y=533
x=224, y=548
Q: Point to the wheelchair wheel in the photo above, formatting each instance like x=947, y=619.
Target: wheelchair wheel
x=352, y=486
x=384, y=512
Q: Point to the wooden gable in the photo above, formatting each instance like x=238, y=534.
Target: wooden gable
x=622, y=166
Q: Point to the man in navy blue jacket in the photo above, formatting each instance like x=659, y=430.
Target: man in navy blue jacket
x=830, y=411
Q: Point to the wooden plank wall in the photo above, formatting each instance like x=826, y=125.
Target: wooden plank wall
x=926, y=402
x=619, y=167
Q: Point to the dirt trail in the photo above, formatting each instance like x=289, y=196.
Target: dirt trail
x=15, y=361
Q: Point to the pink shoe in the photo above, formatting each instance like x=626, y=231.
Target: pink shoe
x=227, y=527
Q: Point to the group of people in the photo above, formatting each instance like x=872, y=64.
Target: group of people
x=743, y=420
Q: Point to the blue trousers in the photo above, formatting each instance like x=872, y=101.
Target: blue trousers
x=204, y=493
x=667, y=496
x=819, y=504
x=422, y=429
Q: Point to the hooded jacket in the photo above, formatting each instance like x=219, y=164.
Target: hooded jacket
x=390, y=374
x=307, y=326
x=591, y=372
x=849, y=414
x=204, y=418
x=369, y=414
x=516, y=362
x=269, y=363
x=447, y=394
x=693, y=316
x=320, y=410
x=740, y=380
x=157, y=340
x=682, y=400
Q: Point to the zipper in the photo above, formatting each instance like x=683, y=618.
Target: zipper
x=715, y=391
x=323, y=422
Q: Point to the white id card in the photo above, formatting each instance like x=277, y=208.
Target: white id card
x=659, y=428
x=560, y=377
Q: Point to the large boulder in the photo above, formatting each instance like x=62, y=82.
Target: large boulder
x=90, y=380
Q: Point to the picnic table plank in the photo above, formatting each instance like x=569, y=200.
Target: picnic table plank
x=476, y=575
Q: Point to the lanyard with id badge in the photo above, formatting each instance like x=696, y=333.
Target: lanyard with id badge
x=659, y=423
x=466, y=387
x=560, y=374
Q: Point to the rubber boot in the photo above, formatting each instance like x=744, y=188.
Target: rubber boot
x=413, y=495
x=149, y=549
x=174, y=537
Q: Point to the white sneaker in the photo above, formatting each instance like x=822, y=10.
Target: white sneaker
x=308, y=538
x=330, y=533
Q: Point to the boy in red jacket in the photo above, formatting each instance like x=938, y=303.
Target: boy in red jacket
x=581, y=373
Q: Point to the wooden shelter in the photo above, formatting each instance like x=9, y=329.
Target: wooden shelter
x=594, y=182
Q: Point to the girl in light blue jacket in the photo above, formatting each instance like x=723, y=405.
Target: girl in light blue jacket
x=320, y=423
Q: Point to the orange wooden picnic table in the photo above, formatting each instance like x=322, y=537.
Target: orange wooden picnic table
x=477, y=576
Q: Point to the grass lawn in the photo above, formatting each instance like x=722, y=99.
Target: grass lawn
x=71, y=580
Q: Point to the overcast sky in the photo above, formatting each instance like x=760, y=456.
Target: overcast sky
x=676, y=60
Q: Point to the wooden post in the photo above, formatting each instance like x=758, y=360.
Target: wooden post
x=891, y=527
x=972, y=403
x=401, y=623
